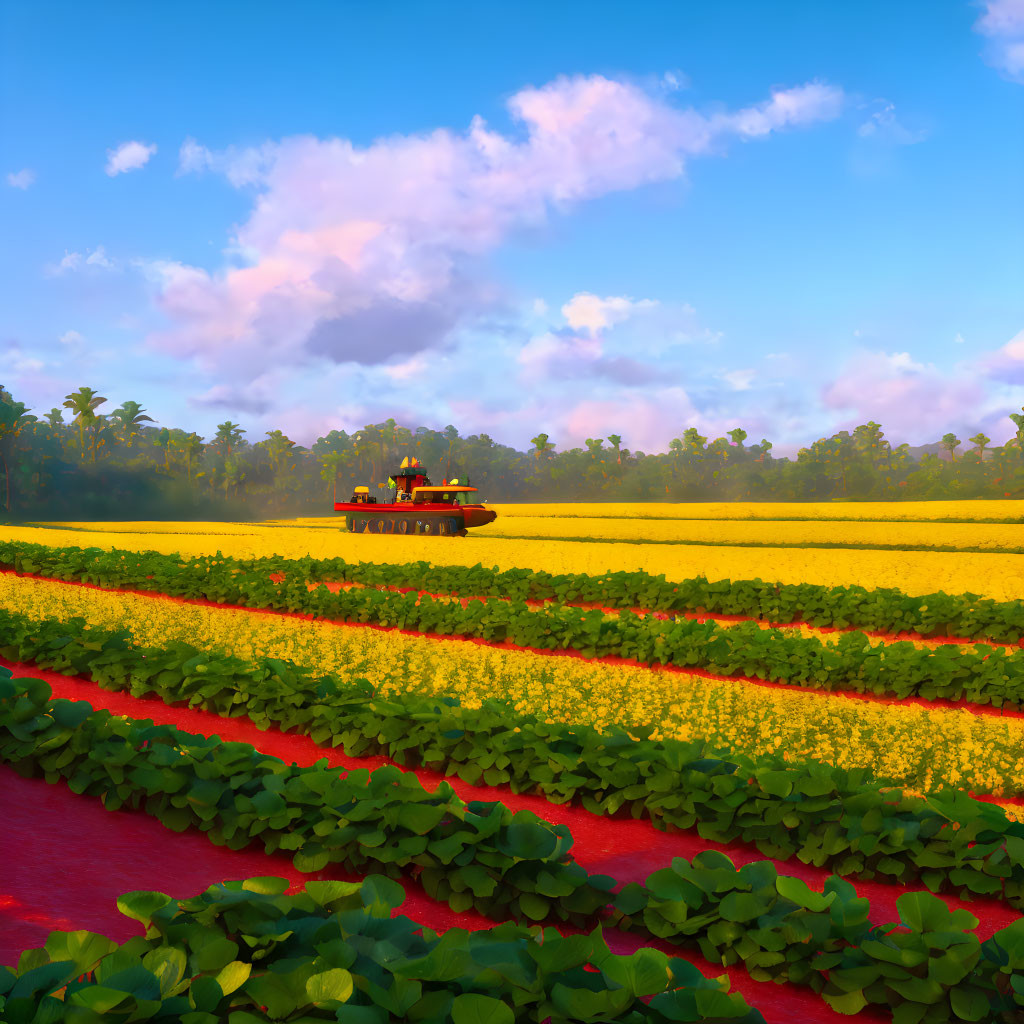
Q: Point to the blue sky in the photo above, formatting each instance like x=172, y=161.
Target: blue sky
x=574, y=218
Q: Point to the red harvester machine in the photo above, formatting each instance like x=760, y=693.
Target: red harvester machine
x=419, y=507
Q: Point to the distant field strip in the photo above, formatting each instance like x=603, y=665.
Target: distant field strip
x=917, y=746
x=996, y=575
x=812, y=511
x=768, y=533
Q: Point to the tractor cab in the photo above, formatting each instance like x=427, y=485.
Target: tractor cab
x=446, y=494
x=361, y=496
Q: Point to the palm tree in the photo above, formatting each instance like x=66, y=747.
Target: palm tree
x=102, y=432
x=615, y=441
x=278, y=447
x=541, y=448
x=83, y=402
x=129, y=416
x=950, y=442
x=228, y=437
x=980, y=441
x=189, y=445
x=13, y=420
x=1018, y=421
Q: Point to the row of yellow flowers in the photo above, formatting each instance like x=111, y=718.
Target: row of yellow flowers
x=992, y=537
x=919, y=747
x=995, y=575
x=883, y=511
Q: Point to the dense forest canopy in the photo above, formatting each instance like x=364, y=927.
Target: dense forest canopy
x=122, y=465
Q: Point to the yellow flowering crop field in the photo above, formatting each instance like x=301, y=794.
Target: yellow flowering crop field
x=994, y=574
x=915, y=746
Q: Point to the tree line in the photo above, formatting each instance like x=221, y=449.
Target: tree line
x=123, y=465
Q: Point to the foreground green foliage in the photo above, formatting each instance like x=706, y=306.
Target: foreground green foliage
x=929, y=967
x=247, y=952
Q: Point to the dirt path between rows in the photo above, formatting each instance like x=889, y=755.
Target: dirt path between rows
x=936, y=704
x=628, y=849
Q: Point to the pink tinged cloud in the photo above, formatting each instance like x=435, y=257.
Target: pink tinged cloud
x=365, y=254
x=646, y=422
x=1006, y=364
x=585, y=311
x=129, y=156
x=1003, y=25
x=21, y=179
x=910, y=400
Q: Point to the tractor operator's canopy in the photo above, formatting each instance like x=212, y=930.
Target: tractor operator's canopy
x=436, y=494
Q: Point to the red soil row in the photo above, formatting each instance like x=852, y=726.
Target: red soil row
x=67, y=859
x=628, y=849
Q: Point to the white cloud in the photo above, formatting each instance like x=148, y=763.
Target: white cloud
x=21, y=179
x=370, y=255
x=98, y=258
x=959, y=339
x=585, y=311
x=410, y=369
x=739, y=380
x=1003, y=25
x=908, y=398
x=192, y=157
x=72, y=262
x=804, y=104
x=129, y=156
x=24, y=364
x=672, y=81
x=1006, y=364
x=71, y=338
x=884, y=126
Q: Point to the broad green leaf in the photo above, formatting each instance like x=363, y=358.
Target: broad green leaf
x=82, y=948
x=798, y=891
x=380, y=890
x=471, y=1008
x=233, y=975
x=142, y=905
x=333, y=985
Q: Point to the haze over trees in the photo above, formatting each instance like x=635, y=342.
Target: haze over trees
x=80, y=462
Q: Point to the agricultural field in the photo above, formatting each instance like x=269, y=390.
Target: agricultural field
x=623, y=762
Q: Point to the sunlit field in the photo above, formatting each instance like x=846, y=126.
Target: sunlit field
x=870, y=554
x=828, y=723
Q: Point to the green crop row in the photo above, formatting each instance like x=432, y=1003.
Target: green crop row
x=822, y=814
x=982, y=675
x=245, y=952
x=930, y=966
x=886, y=610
